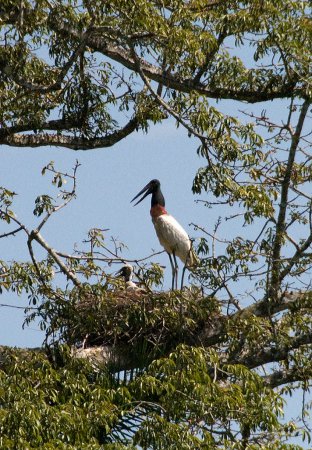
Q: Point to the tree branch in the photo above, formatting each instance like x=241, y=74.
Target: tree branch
x=204, y=67
x=300, y=251
x=11, y=233
x=173, y=81
x=35, y=235
x=67, y=196
x=285, y=376
x=216, y=333
x=280, y=224
x=272, y=353
x=57, y=85
x=72, y=142
x=58, y=125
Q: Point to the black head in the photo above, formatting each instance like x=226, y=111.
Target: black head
x=125, y=272
x=153, y=187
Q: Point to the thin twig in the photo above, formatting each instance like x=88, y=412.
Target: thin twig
x=6, y=305
x=11, y=232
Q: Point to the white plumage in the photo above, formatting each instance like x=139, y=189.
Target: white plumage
x=170, y=233
x=131, y=286
x=174, y=238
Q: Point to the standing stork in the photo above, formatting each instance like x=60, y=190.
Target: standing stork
x=170, y=233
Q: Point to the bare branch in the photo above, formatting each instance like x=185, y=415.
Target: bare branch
x=69, y=197
x=27, y=308
x=35, y=235
x=72, y=142
x=11, y=233
x=15, y=220
x=110, y=259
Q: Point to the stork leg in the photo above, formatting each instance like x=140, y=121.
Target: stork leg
x=182, y=279
x=185, y=267
x=176, y=268
x=173, y=272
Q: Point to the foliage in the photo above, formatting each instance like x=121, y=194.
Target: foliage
x=200, y=370
x=48, y=407
x=98, y=58
x=175, y=402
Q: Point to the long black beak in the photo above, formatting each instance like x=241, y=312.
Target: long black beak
x=119, y=273
x=147, y=188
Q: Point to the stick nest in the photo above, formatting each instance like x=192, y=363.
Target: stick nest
x=141, y=326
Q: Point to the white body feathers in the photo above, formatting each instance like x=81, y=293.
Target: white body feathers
x=174, y=238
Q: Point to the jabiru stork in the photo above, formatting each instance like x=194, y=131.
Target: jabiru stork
x=170, y=233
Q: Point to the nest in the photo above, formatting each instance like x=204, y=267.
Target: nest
x=137, y=326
